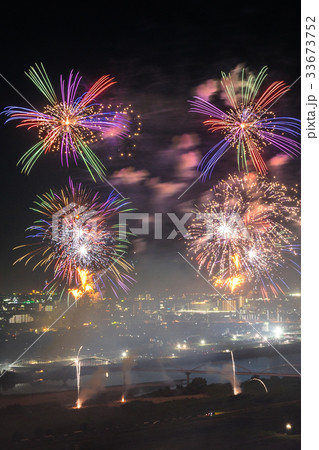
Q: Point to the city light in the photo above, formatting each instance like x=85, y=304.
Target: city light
x=278, y=332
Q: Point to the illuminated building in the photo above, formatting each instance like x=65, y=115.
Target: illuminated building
x=21, y=318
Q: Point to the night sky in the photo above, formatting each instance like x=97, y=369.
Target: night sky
x=159, y=57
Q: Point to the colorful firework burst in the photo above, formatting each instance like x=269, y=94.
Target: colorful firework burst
x=69, y=125
x=245, y=233
x=75, y=236
x=249, y=125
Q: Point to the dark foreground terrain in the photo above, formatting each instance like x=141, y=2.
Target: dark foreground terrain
x=200, y=417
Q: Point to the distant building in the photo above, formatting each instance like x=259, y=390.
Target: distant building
x=201, y=306
x=241, y=302
x=21, y=318
x=231, y=304
x=143, y=297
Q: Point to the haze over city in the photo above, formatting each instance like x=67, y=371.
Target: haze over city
x=184, y=124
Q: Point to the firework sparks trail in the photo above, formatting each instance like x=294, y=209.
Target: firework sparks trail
x=242, y=235
x=86, y=284
x=78, y=378
x=248, y=126
x=69, y=125
x=261, y=382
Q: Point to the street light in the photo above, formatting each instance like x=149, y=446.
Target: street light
x=288, y=426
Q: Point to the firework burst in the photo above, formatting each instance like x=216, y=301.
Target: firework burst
x=76, y=238
x=244, y=235
x=248, y=125
x=70, y=125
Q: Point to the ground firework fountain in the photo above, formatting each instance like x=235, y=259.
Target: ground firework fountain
x=236, y=388
x=78, y=377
